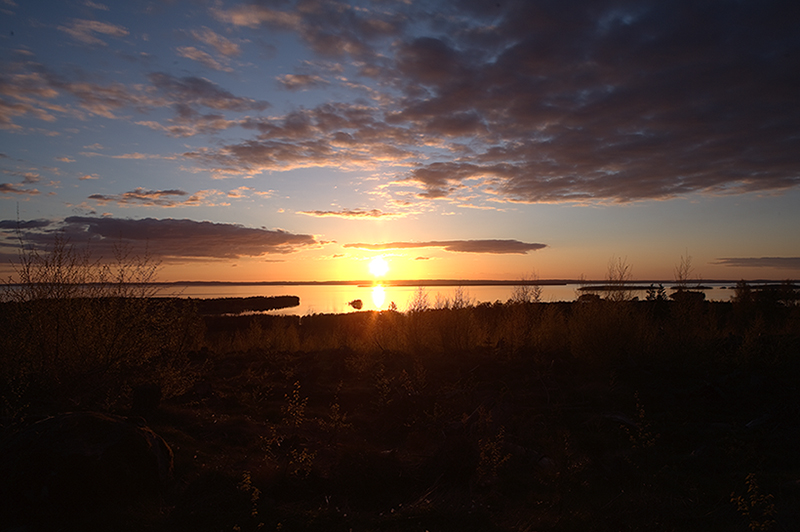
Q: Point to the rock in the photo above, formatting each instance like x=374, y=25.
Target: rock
x=588, y=298
x=84, y=470
x=688, y=296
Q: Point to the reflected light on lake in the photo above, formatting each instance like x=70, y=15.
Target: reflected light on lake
x=324, y=299
x=378, y=296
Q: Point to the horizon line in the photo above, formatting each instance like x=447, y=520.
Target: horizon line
x=474, y=282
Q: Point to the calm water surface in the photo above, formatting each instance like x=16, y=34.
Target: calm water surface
x=325, y=299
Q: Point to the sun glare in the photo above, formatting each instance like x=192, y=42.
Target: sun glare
x=378, y=267
x=378, y=296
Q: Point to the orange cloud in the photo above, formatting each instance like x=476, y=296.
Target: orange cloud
x=353, y=214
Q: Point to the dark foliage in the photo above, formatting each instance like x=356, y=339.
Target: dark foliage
x=598, y=415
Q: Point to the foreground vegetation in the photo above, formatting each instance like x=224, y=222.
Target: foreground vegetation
x=604, y=414
x=601, y=415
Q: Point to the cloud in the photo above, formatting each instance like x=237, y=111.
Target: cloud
x=331, y=135
x=33, y=93
x=253, y=16
x=157, y=198
x=535, y=102
x=295, y=82
x=784, y=263
x=84, y=30
x=29, y=224
x=9, y=188
x=608, y=101
x=460, y=246
x=189, y=123
x=200, y=91
x=190, y=52
x=240, y=192
x=23, y=93
x=330, y=29
x=28, y=178
x=142, y=156
x=598, y=101
x=94, y=98
x=222, y=45
x=94, y=5
x=168, y=239
x=353, y=214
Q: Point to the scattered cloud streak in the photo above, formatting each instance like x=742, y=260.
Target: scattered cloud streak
x=10, y=188
x=141, y=196
x=357, y=214
x=95, y=5
x=200, y=91
x=43, y=94
x=190, y=52
x=222, y=45
x=332, y=135
x=295, y=82
x=459, y=246
x=84, y=31
x=784, y=263
x=157, y=198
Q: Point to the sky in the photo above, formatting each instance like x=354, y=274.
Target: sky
x=299, y=140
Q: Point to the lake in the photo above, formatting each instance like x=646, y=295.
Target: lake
x=329, y=298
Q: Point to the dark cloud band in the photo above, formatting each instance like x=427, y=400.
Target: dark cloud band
x=165, y=239
x=460, y=246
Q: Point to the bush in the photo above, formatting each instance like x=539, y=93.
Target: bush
x=82, y=333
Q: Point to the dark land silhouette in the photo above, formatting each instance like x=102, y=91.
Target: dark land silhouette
x=661, y=414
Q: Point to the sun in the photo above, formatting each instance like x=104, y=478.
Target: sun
x=378, y=267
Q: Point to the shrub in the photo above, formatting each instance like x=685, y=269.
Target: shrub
x=81, y=333
x=604, y=330
x=618, y=280
x=528, y=291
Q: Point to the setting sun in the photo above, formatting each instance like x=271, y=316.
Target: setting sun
x=378, y=267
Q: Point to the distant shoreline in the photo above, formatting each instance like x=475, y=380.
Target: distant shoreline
x=584, y=284
x=467, y=282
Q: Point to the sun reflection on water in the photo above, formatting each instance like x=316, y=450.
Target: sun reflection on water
x=378, y=296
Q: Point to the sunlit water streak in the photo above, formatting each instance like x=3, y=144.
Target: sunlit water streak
x=378, y=296
x=326, y=299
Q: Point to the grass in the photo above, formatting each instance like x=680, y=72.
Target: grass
x=598, y=415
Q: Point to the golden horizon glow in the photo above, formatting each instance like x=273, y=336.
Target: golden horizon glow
x=378, y=267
